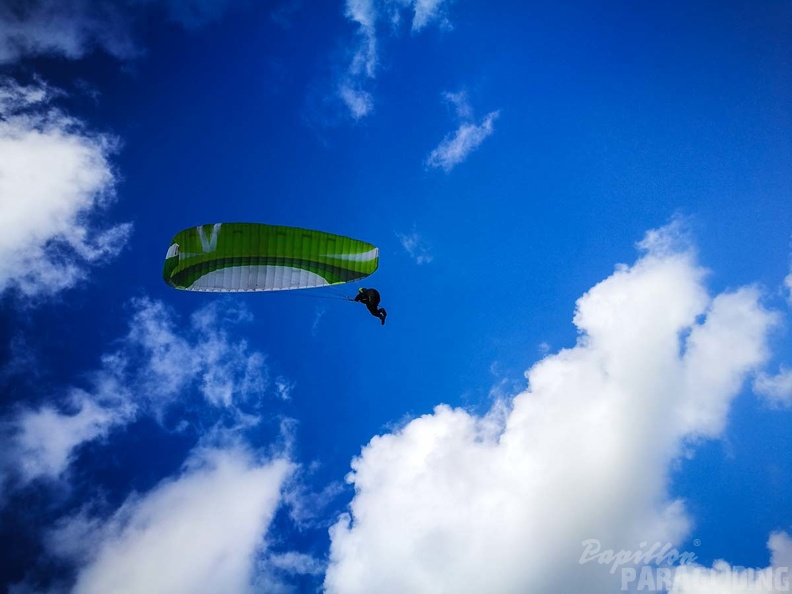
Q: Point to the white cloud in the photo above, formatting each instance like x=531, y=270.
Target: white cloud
x=363, y=64
x=427, y=11
x=456, y=147
x=283, y=388
x=297, y=563
x=461, y=104
x=199, y=533
x=53, y=176
x=457, y=503
x=415, y=246
x=724, y=578
x=307, y=507
x=318, y=315
x=777, y=389
x=424, y=12
x=42, y=442
x=788, y=286
x=73, y=28
x=359, y=102
x=68, y=28
x=366, y=14
x=47, y=439
x=153, y=367
x=168, y=360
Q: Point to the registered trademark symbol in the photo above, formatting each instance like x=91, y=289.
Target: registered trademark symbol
x=696, y=542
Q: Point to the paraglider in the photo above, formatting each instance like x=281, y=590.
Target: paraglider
x=242, y=257
x=233, y=257
x=371, y=298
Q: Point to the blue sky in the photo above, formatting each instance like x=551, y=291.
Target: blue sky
x=584, y=218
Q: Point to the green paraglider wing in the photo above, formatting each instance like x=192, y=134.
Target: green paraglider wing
x=232, y=257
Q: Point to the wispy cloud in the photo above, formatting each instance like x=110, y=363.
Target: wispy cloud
x=307, y=507
x=362, y=68
x=454, y=502
x=46, y=438
x=360, y=103
x=787, y=283
x=318, y=315
x=153, y=368
x=428, y=11
x=54, y=176
x=364, y=13
x=456, y=146
x=68, y=28
x=73, y=28
x=461, y=104
x=297, y=563
x=776, y=389
x=415, y=246
x=283, y=388
x=166, y=361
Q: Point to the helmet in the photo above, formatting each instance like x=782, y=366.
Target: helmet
x=360, y=290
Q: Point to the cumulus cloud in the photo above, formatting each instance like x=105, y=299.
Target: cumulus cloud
x=453, y=502
x=456, y=146
x=200, y=532
x=153, y=367
x=54, y=176
x=362, y=68
x=723, y=578
x=777, y=389
x=415, y=246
